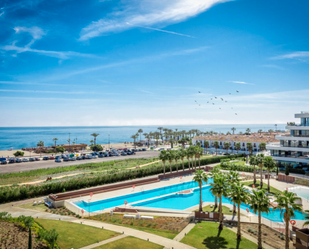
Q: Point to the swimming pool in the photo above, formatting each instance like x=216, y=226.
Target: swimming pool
x=135, y=197
x=301, y=191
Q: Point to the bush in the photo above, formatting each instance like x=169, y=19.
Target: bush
x=19, y=153
x=60, y=149
x=96, y=147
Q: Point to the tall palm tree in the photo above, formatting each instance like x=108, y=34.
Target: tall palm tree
x=260, y=161
x=270, y=131
x=262, y=146
x=237, y=147
x=270, y=164
x=182, y=155
x=199, y=177
x=260, y=131
x=249, y=148
x=41, y=145
x=286, y=202
x=171, y=156
x=306, y=223
x=226, y=146
x=219, y=188
x=252, y=162
x=206, y=145
x=134, y=137
x=248, y=130
x=28, y=222
x=146, y=135
x=192, y=154
x=233, y=129
x=214, y=174
x=95, y=137
x=91, y=142
x=176, y=158
x=233, y=178
x=238, y=195
x=259, y=202
x=216, y=145
x=163, y=157
x=198, y=153
x=160, y=129
x=55, y=140
x=140, y=131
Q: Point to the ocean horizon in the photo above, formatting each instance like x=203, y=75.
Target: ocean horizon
x=21, y=137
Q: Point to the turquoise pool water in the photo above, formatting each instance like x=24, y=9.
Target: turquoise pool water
x=117, y=201
x=301, y=191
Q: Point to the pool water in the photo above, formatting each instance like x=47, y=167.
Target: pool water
x=117, y=201
x=301, y=191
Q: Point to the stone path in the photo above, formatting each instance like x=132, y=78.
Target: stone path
x=140, y=166
x=104, y=242
x=185, y=231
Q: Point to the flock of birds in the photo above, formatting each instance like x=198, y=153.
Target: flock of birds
x=215, y=98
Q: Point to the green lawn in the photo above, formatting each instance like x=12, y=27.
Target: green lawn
x=130, y=242
x=41, y=207
x=226, y=210
x=72, y=235
x=205, y=235
x=257, y=186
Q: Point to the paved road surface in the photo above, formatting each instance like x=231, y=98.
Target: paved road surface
x=17, y=167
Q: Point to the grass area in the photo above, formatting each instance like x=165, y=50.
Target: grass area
x=130, y=242
x=205, y=235
x=41, y=207
x=72, y=235
x=257, y=186
x=225, y=209
x=159, y=226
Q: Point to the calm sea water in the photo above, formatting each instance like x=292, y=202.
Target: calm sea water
x=19, y=137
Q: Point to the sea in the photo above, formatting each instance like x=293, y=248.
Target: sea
x=21, y=137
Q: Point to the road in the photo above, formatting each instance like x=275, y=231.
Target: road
x=21, y=167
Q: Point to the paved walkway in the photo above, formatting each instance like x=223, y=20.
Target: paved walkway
x=185, y=231
x=104, y=242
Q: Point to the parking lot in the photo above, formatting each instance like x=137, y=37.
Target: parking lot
x=26, y=166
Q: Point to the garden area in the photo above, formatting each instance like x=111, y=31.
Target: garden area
x=265, y=187
x=225, y=210
x=163, y=226
x=205, y=235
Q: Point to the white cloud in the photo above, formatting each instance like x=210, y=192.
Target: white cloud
x=240, y=82
x=35, y=32
x=272, y=66
x=293, y=55
x=147, y=13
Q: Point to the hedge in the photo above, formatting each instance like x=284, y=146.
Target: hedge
x=16, y=193
x=237, y=167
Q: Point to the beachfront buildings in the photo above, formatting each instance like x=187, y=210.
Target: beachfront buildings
x=293, y=148
x=255, y=139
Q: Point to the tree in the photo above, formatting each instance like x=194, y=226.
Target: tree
x=238, y=195
x=226, y=147
x=233, y=178
x=55, y=140
x=262, y=146
x=270, y=164
x=182, y=155
x=95, y=137
x=216, y=145
x=160, y=129
x=252, y=162
x=248, y=130
x=219, y=188
x=28, y=222
x=214, y=174
x=50, y=236
x=60, y=149
x=286, y=202
x=237, y=147
x=198, y=153
x=260, y=131
x=260, y=161
x=171, y=156
x=188, y=157
x=183, y=141
x=306, y=223
x=19, y=153
x=176, y=158
x=249, y=148
x=147, y=137
x=270, y=131
x=91, y=142
x=206, y=145
x=233, y=129
x=140, y=131
x=134, y=137
x=163, y=157
x=41, y=145
x=96, y=147
x=259, y=202
x=199, y=177
x=287, y=170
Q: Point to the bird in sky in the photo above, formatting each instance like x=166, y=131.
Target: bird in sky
x=215, y=97
x=235, y=113
x=232, y=108
x=199, y=92
x=213, y=103
x=220, y=108
x=225, y=101
x=230, y=93
x=237, y=91
x=221, y=99
x=211, y=99
x=207, y=102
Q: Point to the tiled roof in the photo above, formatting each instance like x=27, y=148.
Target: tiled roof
x=253, y=138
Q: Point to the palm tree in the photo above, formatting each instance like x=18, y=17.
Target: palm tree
x=286, y=202
x=237, y=147
x=306, y=223
x=248, y=130
x=259, y=161
x=252, y=162
x=171, y=156
x=160, y=129
x=188, y=157
x=163, y=157
x=192, y=154
x=233, y=178
x=41, y=145
x=55, y=140
x=176, y=158
x=270, y=164
x=140, y=131
x=206, y=145
x=270, y=131
x=198, y=153
x=216, y=145
x=259, y=202
x=95, y=137
x=219, y=188
x=233, y=129
x=28, y=222
x=199, y=177
x=134, y=137
x=249, y=148
x=91, y=142
x=226, y=147
x=214, y=174
x=262, y=146
x=238, y=195
x=147, y=137
x=260, y=131
x=182, y=155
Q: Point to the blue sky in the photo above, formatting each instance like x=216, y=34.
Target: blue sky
x=128, y=62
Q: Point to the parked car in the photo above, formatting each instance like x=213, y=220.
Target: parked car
x=4, y=162
x=12, y=160
x=143, y=149
x=101, y=155
x=58, y=160
x=31, y=159
x=79, y=158
x=56, y=157
x=161, y=149
x=37, y=159
x=123, y=154
x=46, y=158
x=51, y=158
x=19, y=160
x=94, y=157
x=25, y=160
x=89, y=156
x=66, y=159
x=84, y=157
x=73, y=159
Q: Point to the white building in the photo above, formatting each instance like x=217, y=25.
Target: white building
x=294, y=147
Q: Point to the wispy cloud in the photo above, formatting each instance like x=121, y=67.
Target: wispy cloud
x=27, y=83
x=272, y=66
x=39, y=91
x=241, y=82
x=293, y=55
x=147, y=13
x=35, y=32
